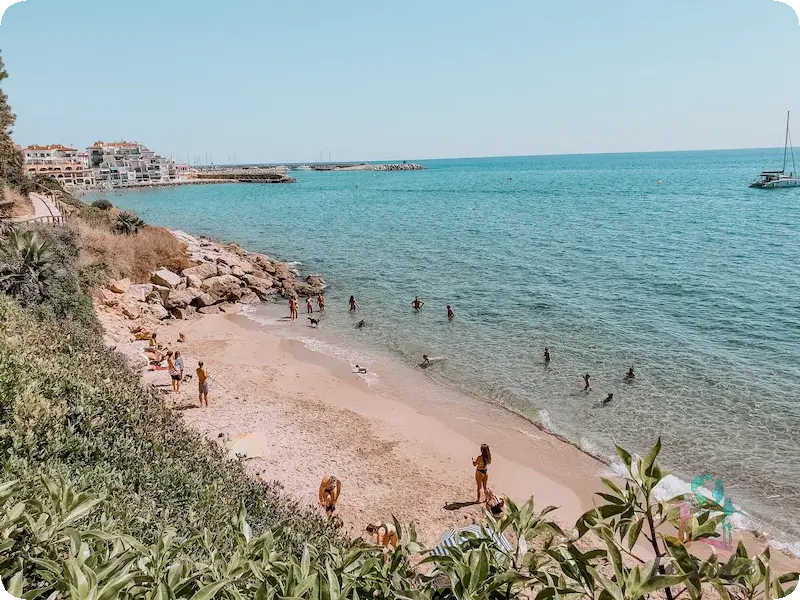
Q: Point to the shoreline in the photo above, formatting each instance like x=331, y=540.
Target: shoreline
x=383, y=434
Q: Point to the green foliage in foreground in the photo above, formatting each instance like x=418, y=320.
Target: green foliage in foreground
x=105, y=494
x=128, y=223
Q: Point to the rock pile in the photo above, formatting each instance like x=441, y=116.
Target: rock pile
x=224, y=278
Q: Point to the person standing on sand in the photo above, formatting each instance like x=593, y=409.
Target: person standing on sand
x=321, y=303
x=329, y=491
x=547, y=355
x=173, y=372
x=587, y=388
x=179, y=367
x=481, y=465
x=416, y=304
x=202, y=383
x=389, y=536
x=353, y=304
x=450, y=313
x=309, y=307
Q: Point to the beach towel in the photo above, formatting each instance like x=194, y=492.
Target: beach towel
x=453, y=538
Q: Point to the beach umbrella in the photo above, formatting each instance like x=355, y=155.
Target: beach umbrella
x=454, y=538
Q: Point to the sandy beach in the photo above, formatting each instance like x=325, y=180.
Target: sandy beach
x=305, y=414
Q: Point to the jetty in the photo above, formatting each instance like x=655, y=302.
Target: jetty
x=403, y=166
x=241, y=175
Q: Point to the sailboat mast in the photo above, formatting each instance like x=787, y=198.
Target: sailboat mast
x=786, y=142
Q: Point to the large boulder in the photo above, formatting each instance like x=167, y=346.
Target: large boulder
x=166, y=278
x=181, y=298
x=223, y=269
x=119, y=286
x=159, y=294
x=203, y=300
x=237, y=272
x=139, y=292
x=182, y=313
x=253, y=281
x=109, y=298
x=209, y=310
x=264, y=293
x=250, y=297
x=228, y=307
x=193, y=281
x=203, y=271
x=222, y=286
x=159, y=312
x=132, y=310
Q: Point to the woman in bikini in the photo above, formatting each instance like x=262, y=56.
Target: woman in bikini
x=321, y=302
x=353, y=304
x=481, y=465
x=329, y=491
x=387, y=538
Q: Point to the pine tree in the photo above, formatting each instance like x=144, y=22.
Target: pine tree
x=11, y=160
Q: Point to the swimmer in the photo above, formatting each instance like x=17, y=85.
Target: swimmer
x=361, y=324
x=547, y=355
x=450, y=313
x=607, y=399
x=360, y=369
x=416, y=304
x=353, y=304
x=630, y=374
x=587, y=387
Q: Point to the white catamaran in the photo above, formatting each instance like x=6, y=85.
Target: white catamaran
x=780, y=179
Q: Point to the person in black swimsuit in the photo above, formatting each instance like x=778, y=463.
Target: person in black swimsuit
x=547, y=355
x=481, y=465
x=587, y=387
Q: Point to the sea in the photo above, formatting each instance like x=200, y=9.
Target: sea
x=666, y=262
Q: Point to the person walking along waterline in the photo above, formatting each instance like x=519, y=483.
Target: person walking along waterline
x=353, y=304
x=202, y=383
x=481, y=465
x=547, y=355
x=587, y=387
x=321, y=302
x=309, y=306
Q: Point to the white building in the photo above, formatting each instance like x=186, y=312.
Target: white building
x=66, y=165
x=123, y=164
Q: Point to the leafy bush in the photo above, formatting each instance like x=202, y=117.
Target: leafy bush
x=26, y=266
x=102, y=204
x=128, y=224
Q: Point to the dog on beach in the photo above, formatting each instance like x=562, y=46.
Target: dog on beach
x=314, y=322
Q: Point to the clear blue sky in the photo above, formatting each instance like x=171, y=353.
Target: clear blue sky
x=280, y=81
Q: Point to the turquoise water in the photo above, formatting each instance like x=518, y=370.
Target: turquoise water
x=695, y=282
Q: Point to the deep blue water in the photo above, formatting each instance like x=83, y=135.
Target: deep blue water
x=694, y=282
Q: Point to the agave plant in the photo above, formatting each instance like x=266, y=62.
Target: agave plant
x=128, y=223
x=26, y=265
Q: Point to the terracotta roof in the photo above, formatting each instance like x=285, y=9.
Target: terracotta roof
x=51, y=147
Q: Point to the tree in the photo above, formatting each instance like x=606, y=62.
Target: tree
x=11, y=160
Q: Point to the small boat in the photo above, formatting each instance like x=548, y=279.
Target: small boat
x=780, y=179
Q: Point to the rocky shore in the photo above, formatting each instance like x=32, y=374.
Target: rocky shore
x=224, y=278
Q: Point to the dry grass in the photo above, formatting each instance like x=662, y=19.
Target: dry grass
x=133, y=256
x=22, y=207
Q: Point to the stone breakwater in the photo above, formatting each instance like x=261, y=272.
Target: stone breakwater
x=224, y=278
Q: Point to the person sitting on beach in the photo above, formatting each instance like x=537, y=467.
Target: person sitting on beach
x=416, y=304
x=630, y=374
x=587, y=387
x=309, y=306
x=353, y=304
x=481, y=465
x=181, y=338
x=389, y=536
x=329, y=491
x=450, y=313
x=321, y=302
x=202, y=383
x=153, y=343
x=547, y=355
x=494, y=504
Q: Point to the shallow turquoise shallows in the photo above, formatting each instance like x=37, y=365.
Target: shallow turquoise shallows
x=695, y=282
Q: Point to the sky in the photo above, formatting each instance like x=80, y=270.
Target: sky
x=282, y=81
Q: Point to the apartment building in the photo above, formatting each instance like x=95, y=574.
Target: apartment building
x=123, y=164
x=66, y=165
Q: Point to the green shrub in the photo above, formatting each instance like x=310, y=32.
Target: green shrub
x=128, y=223
x=102, y=204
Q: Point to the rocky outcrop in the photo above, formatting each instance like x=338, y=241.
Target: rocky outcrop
x=224, y=277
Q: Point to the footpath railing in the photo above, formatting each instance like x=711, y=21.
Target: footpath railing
x=45, y=220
